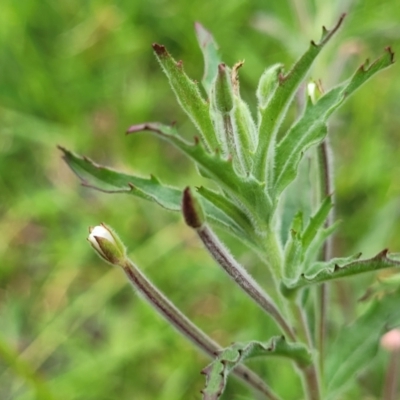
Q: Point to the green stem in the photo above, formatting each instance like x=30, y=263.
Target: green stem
x=303, y=328
x=274, y=253
x=311, y=379
x=310, y=375
x=325, y=188
x=182, y=323
x=311, y=382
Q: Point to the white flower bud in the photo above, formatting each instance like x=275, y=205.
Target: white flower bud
x=107, y=244
x=311, y=90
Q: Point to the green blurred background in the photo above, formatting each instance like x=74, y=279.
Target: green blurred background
x=77, y=74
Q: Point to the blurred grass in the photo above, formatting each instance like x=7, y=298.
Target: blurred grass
x=78, y=74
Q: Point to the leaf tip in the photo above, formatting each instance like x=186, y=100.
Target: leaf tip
x=382, y=254
x=65, y=152
x=159, y=49
x=391, y=54
x=328, y=33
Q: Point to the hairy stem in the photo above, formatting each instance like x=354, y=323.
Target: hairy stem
x=172, y=314
x=311, y=379
x=311, y=383
x=325, y=189
x=242, y=278
x=274, y=252
x=392, y=376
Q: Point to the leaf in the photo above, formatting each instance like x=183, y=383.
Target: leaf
x=211, y=56
x=244, y=127
x=107, y=180
x=341, y=268
x=229, y=208
x=273, y=113
x=188, y=95
x=316, y=222
x=294, y=249
x=357, y=344
x=110, y=181
x=217, y=372
x=310, y=129
x=296, y=197
x=304, y=243
x=247, y=192
x=313, y=252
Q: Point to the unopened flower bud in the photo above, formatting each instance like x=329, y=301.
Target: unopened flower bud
x=311, y=87
x=107, y=244
x=314, y=91
x=192, y=210
x=222, y=90
x=268, y=81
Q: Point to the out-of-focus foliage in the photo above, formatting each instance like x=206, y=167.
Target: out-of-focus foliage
x=78, y=74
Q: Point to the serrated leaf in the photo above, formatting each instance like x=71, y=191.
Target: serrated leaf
x=188, y=96
x=296, y=198
x=273, y=113
x=313, y=252
x=357, y=344
x=229, y=208
x=110, y=181
x=304, y=244
x=247, y=192
x=285, y=171
x=310, y=129
x=217, y=372
x=338, y=268
x=294, y=249
x=209, y=48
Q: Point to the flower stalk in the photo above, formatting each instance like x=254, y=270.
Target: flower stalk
x=108, y=246
x=194, y=217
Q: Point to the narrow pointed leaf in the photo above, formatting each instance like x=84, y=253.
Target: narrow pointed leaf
x=221, y=104
x=313, y=252
x=310, y=129
x=294, y=249
x=110, y=181
x=217, y=372
x=357, y=344
x=188, y=95
x=289, y=159
x=274, y=111
x=211, y=56
x=246, y=191
x=243, y=126
x=229, y=208
x=316, y=222
x=343, y=267
x=215, y=167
